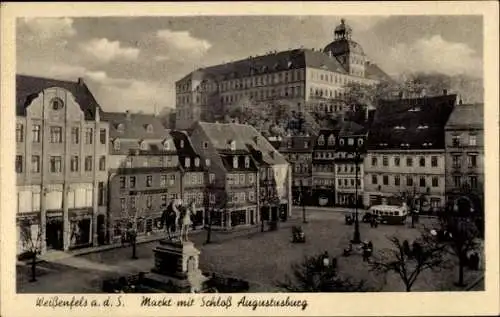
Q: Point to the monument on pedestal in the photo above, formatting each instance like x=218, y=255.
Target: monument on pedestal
x=176, y=260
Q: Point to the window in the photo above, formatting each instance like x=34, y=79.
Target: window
x=374, y=179
x=102, y=163
x=306, y=144
x=397, y=161
x=89, y=135
x=235, y=162
x=149, y=128
x=19, y=133
x=374, y=161
x=187, y=162
x=207, y=162
x=472, y=140
x=409, y=161
x=122, y=182
x=102, y=136
x=116, y=145
x=35, y=164
x=409, y=181
x=55, y=134
x=88, y=163
x=132, y=181
x=132, y=203
x=397, y=180
x=422, y=181
x=385, y=179
x=149, y=181
x=19, y=163
x=331, y=140
x=171, y=179
x=205, y=145
x=242, y=179
x=163, y=180
x=421, y=161
x=350, y=141
x=149, y=201
x=473, y=182
x=321, y=140
x=75, y=135
x=163, y=199
x=456, y=163
x=472, y=160
x=457, y=180
x=385, y=161
x=36, y=133
x=434, y=161
x=247, y=162
x=55, y=164
x=197, y=162
x=143, y=145
x=455, y=141
x=101, y=194
x=435, y=181
x=123, y=204
x=75, y=163
x=56, y=103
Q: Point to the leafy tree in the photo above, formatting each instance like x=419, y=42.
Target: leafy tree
x=461, y=236
x=312, y=275
x=32, y=245
x=408, y=262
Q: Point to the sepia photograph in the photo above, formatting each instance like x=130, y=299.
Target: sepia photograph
x=231, y=153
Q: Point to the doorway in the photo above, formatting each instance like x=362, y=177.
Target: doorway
x=54, y=233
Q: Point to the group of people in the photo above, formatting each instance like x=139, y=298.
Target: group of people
x=366, y=247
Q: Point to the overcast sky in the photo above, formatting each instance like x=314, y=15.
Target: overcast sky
x=132, y=63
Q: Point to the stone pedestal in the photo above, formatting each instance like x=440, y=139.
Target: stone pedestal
x=177, y=262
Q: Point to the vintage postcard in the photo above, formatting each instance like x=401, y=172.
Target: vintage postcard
x=180, y=159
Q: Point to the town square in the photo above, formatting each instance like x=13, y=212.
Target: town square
x=259, y=154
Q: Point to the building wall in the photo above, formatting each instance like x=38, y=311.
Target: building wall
x=68, y=190
x=415, y=172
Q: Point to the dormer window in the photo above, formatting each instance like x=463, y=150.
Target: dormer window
x=331, y=140
x=289, y=144
x=207, y=162
x=197, y=162
x=321, y=140
x=306, y=144
x=181, y=144
x=235, y=162
x=166, y=145
x=205, y=145
x=247, y=162
x=232, y=145
x=422, y=127
x=149, y=128
x=116, y=145
x=120, y=127
x=350, y=141
x=57, y=103
x=399, y=127
x=290, y=64
x=187, y=162
x=381, y=144
x=143, y=145
x=405, y=145
x=360, y=142
x=414, y=109
x=341, y=142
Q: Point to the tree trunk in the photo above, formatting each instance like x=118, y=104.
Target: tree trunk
x=33, y=267
x=209, y=231
x=460, y=272
x=408, y=288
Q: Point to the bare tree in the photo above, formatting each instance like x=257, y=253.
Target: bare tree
x=319, y=274
x=461, y=237
x=408, y=262
x=32, y=245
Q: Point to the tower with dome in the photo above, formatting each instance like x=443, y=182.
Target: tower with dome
x=302, y=79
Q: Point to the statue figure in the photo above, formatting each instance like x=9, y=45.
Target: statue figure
x=170, y=218
x=186, y=221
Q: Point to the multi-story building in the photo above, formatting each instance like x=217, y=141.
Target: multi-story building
x=235, y=152
x=298, y=150
x=349, y=157
x=465, y=157
x=305, y=79
x=406, y=151
x=144, y=173
x=61, y=164
x=323, y=168
x=194, y=178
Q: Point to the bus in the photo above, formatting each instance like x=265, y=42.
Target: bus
x=389, y=214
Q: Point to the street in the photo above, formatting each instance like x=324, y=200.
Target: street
x=240, y=255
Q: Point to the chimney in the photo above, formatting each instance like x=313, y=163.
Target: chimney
x=80, y=81
x=127, y=114
x=445, y=92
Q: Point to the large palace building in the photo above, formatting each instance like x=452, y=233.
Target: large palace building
x=304, y=79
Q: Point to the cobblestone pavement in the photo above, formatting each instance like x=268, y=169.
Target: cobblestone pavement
x=260, y=258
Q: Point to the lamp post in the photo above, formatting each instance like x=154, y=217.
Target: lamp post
x=357, y=236
x=303, y=201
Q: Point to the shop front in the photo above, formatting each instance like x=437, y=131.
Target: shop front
x=80, y=224
x=324, y=197
x=54, y=230
x=28, y=232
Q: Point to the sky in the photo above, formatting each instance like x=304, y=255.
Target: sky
x=132, y=63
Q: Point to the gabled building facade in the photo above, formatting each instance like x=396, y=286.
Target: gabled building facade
x=61, y=164
x=406, y=151
x=465, y=157
x=144, y=173
x=307, y=80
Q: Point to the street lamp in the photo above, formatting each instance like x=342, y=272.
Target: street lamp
x=303, y=202
x=357, y=237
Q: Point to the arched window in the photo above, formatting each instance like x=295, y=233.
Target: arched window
x=207, y=162
x=321, y=140
x=331, y=140
x=360, y=142
x=235, y=162
x=197, y=162
x=143, y=145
